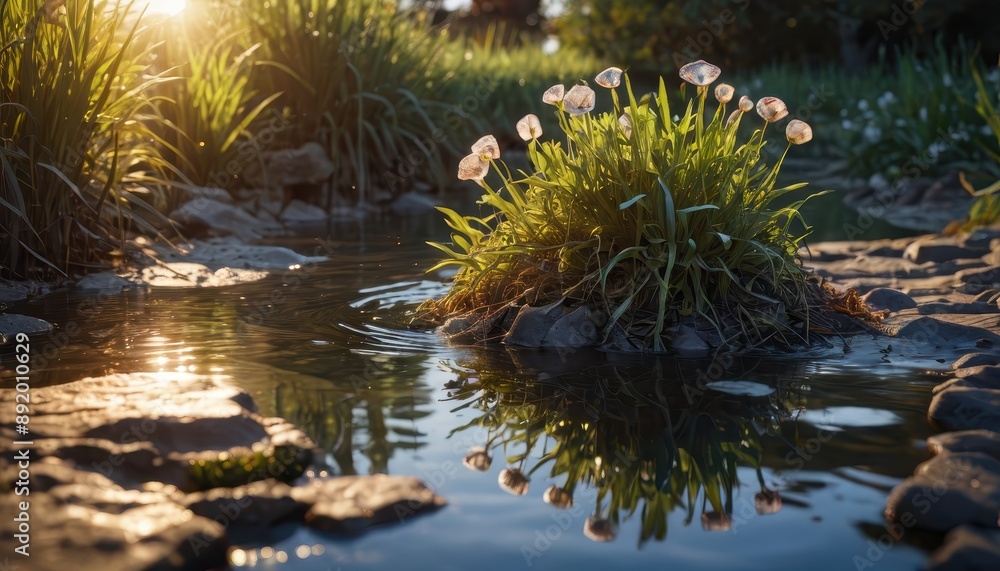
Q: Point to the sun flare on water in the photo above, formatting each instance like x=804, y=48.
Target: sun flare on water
x=166, y=7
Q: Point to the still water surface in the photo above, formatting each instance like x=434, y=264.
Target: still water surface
x=636, y=439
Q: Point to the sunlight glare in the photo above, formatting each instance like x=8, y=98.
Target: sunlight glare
x=166, y=7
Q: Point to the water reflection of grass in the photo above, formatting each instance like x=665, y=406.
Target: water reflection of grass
x=645, y=444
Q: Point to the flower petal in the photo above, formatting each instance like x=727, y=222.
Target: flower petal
x=473, y=167
x=581, y=99
x=610, y=78
x=529, y=127
x=626, y=122
x=700, y=72
x=554, y=94
x=487, y=147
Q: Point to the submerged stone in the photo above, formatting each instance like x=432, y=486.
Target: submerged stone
x=967, y=548
x=947, y=491
x=353, y=504
x=11, y=324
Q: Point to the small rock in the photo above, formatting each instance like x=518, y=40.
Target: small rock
x=967, y=548
x=687, y=342
x=932, y=250
x=11, y=324
x=966, y=408
x=260, y=503
x=974, y=308
x=975, y=360
x=983, y=441
x=532, y=324
x=309, y=164
x=414, y=204
x=979, y=279
x=209, y=192
x=352, y=504
x=580, y=327
x=948, y=491
x=891, y=299
x=939, y=333
x=105, y=282
x=217, y=217
x=302, y=213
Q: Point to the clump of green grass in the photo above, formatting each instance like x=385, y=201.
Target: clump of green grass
x=986, y=209
x=72, y=87
x=648, y=215
x=206, y=105
x=363, y=79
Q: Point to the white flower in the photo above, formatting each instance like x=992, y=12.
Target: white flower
x=736, y=114
x=922, y=113
x=771, y=109
x=610, y=78
x=487, y=147
x=847, y=125
x=798, y=132
x=579, y=100
x=554, y=94
x=946, y=80
x=746, y=104
x=724, y=92
x=767, y=502
x=529, y=127
x=700, y=73
x=863, y=105
x=473, y=167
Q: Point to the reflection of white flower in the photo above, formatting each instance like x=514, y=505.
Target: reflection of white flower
x=553, y=95
x=579, y=100
x=558, y=497
x=529, y=127
x=598, y=529
x=514, y=481
x=477, y=459
x=610, y=78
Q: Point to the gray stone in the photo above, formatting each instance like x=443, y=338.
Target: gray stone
x=231, y=252
x=967, y=548
x=302, y=213
x=940, y=333
x=532, y=324
x=891, y=299
x=209, y=192
x=352, y=504
x=976, y=307
x=975, y=360
x=12, y=323
x=259, y=503
x=687, y=342
x=966, y=408
x=579, y=327
x=947, y=491
x=104, y=282
x=978, y=280
x=309, y=164
x=414, y=204
x=983, y=441
x=13, y=292
x=937, y=251
x=217, y=217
